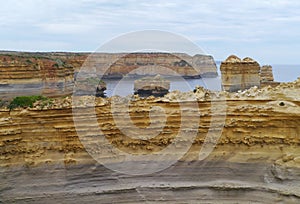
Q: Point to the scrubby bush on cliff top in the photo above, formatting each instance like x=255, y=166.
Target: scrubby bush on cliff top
x=26, y=101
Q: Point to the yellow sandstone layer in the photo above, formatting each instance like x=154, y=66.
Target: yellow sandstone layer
x=256, y=158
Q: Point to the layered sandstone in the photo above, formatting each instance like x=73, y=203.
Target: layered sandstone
x=239, y=74
x=43, y=158
x=266, y=76
x=266, y=73
x=53, y=74
x=117, y=65
x=24, y=75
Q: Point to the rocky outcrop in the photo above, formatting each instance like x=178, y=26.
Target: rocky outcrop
x=239, y=74
x=266, y=73
x=266, y=76
x=23, y=75
x=155, y=86
x=89, y=86
x=256, y=158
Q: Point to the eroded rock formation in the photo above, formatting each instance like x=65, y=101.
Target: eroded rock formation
x=256, y=158
x=266, y=73
x=155, y=86
x=23, y=75
x=89, y=86
x=239, y=74
x=139, y=64
x=266, y=76
x=53, y=74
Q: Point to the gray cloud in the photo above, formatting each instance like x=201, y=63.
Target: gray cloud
x=247, y=26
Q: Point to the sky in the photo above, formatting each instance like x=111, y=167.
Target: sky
x=266, y=30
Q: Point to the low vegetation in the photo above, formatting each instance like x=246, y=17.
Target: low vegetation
x=28, y=101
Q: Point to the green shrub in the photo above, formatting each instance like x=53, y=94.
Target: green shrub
x=28, y=61
x=26, y=101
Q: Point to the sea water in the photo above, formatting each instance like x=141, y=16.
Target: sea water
x=125, y=86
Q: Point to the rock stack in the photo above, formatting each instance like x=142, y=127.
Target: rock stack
x=156, y=86
x=239, y=74
x=266, y=73
x=266, y=76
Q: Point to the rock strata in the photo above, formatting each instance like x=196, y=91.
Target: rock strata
x=266, y=76
x=255, y=160
x=140, y=64
x=239, y=74
x=22, y=75
x=266, y=73
x=53, y=74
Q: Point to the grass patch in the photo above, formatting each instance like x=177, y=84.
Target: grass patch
x=27, y=101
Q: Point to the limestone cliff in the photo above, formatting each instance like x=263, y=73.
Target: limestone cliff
x=29, y=75
x=239, y=74
x=124, y=63
x=256, y=159
x=119, y=64
x=53, y=74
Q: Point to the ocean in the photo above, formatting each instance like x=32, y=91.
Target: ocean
x=124, y=87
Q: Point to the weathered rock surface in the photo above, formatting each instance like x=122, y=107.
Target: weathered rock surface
x=256, y=159
x=120, y=64
x=24, y=75
x=266, y=76
x=147, y=86
x=117, y=65
x=239, y=74
x=89, y=86
x=266, y=73
x=53, y=74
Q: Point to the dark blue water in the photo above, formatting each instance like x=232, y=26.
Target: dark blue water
x=124, y=87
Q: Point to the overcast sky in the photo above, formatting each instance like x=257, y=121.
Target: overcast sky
x=266, y=30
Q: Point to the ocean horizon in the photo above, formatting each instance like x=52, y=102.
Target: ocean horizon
x=124, y=87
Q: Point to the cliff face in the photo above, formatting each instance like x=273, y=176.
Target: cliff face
x=34, y=75
x=117, y=65
x=239, y=74
x=52, y=74
x=257, y=157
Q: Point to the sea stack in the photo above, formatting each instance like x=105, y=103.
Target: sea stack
x=266, y=73
x=239, y=74
x=266, y=76
x=156, y=86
